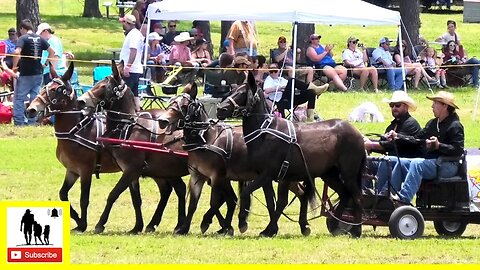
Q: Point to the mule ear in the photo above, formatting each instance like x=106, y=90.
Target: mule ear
x=194, y=91
x=251, y=81
x=67, y=75
x=53, y=73
x=117, y=69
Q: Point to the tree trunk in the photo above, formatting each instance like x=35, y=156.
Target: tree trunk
x=204, y=27
x=28, y=9
x=91, y=9
x=225, y=27
x=410, y=13
x=303, y=39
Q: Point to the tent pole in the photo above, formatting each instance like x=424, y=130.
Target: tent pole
x=476, y=104
x=294, y=52
x=145, y=52
x=400, y=47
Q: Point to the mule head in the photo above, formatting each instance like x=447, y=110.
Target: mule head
x=183, y=108
x=58, y=95
x=106, y=91
x=240, y=100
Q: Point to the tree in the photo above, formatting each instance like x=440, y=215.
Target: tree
x=303, y=38
x=28, y=9
x=91, y=9
x=410, y=13
x=225, y=27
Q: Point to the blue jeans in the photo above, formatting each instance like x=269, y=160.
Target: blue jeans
x=26, y=85
x=476, y=62
x=132, y=82
x=417, y=169
x=385, y=174
x=394, y=78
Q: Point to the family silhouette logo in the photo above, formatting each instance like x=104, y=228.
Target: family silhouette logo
x=36, y=232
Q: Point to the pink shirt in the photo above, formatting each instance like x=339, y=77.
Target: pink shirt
x=180, y=53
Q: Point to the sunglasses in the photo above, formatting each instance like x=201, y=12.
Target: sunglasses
x=452, y=45
x=273, y=71
x=315, y=38
x=396, y=105
x=353, y=42
x=173, y=25
x=282, y=42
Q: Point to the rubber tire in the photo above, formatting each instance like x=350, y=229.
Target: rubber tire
x=405, y=216
x=455, y=228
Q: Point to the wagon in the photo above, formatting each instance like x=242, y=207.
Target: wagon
x=445, y=201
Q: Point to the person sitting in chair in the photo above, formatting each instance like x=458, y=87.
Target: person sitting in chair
x=443, y=144
x=355, y=59
x=456, y=55
x=275, y=88
x=382, y=59
x=283, y=55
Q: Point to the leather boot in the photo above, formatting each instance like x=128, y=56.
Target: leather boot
x=318, y=90
x=310, y=115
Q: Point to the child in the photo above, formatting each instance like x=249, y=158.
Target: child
x=431, y=66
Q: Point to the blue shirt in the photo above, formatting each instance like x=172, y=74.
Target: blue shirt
x=10, y=46
x=381, y=53
x=57, y=46
x=327, y=60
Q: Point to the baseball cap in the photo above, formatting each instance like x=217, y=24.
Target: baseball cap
x=129, y=18
x=352, y=38
x=282, y=39
x=42, y=27
x=154, y=36
x=384, y=40
x=12, y=30
x=200, y=41
x=312, y=36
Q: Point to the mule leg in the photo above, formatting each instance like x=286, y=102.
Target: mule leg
x=353, y=188
x=195, y=184
x=217, y=198
x=85, y=184
x=244, y=209
x=165, y=190
x=282, y=201
x=302, y=219
x=231, y=200
x=68, y=182
x=120, y=187
x=181, y=191
x=245, y=195
x=137, y=206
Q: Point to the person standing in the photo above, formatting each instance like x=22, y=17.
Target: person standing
x=131, y=55
x=26, y=225
x=45, y=31
x=27, y=61
x=242, y=38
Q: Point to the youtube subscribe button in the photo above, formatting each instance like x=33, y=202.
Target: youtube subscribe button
x=25, y=255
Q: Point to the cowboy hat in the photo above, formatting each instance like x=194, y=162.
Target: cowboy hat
x=445, y=98
x=402, y=97
x=184, y=36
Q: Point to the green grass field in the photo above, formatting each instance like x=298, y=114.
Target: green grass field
x=29, y=170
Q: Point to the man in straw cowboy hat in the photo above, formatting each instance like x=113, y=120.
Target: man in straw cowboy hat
x=442, y=140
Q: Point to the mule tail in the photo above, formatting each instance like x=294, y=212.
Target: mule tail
x=309, y=192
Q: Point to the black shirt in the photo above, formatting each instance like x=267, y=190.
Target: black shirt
x=450, y=134
x=32, y=46
x=405, y=125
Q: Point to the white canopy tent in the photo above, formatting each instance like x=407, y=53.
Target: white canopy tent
x=346, y=12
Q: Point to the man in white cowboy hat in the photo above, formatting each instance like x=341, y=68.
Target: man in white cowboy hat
x=403, y=123
x=131, y=55
x=181, y=50
x=443, y=142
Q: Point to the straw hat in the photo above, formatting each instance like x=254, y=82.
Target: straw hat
x=402, y=97
x=184, y=36
x=444, y=97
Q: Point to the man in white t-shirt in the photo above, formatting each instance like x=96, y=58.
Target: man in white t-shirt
x=131, y=55
x=450, y=34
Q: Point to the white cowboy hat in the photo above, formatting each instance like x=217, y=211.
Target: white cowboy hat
x=445, y=98
x=402, y=97
x=184, y=36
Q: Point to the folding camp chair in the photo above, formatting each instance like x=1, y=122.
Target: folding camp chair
x=149, y=92
x=99, y=73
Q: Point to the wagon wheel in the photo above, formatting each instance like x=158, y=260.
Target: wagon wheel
x=342, y=228
x=406, y=222
x=450, y=228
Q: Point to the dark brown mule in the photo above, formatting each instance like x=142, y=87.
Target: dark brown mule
x=124, y=123
x=75, y=148
x=219, y=153
x=332, y=149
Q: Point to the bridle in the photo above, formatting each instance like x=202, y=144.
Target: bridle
x=252, y=99
x=112, y=94
x=49, y=101
x=192, y=110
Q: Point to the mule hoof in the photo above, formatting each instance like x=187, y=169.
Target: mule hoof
x=204, y=227
x=79, y=229
x=268, y=233
x=226, y=231
x=150, y=229
x=242, y=227
x=306, y=230
x=135, y=230
x=181, y=230
x=99, y=229
x=356, y=231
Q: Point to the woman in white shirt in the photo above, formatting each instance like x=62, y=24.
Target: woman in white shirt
x=355, y=59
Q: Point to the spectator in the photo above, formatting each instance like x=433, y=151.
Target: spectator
x=138, y=13
x=276, y=87
x=131, y=55
x=355, y=59
x=322, y=59
x=180, y=51
x=45, y=31
x=450, y=34
x=200, y=52
x=383, y=59
x=412, y=68
x=171, y=32
x=242, y=38
x=29, y=47
x=284, y=56
x=7, y=77
x=260, y=69
x=156, y=56
x=456, y=55
x=11, y=43
x=443, y=141
x=159, y=28
x=238, y=75
x=431, y=62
